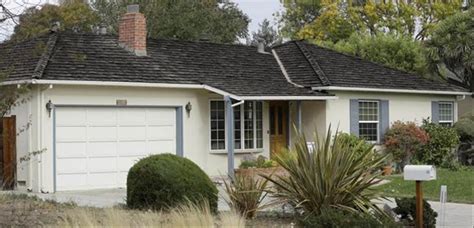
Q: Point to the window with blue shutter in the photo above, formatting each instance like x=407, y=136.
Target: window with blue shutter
x=369, y=119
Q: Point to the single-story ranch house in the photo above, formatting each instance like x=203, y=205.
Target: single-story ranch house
x=99, y=102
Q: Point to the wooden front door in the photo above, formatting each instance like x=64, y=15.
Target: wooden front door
x=278, y=127
x=8, y=151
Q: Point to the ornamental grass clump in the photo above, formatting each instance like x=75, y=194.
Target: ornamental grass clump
x=246, y=193
x=333, y=176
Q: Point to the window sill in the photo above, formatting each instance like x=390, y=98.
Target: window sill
x=246, y=151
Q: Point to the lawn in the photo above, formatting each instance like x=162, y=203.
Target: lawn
x=460, y=186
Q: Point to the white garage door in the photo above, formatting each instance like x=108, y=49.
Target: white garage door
x=95, y=147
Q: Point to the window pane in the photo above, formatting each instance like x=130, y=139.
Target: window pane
x=248, y=125
x=259, y=125
x=446, y=112
x=368, y=131
x=217, y=114
x=368, y=111
x=237, y=128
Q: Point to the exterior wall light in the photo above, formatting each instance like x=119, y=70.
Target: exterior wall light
x=188, y=107
x=49, y=107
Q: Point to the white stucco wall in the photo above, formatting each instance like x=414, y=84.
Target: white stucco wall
x=313, y=117
x=403, y=107
x=196, y=125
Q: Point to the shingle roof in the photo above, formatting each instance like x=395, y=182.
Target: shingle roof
x=314, y=66
x=236, y=69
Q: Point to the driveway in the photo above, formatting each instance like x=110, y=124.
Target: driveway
x=456, y=215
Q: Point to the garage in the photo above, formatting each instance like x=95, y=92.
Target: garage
x=96, y=146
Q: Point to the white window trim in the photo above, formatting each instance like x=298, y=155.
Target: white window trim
x=372, y=121
x=242, y=130
x=451, y=122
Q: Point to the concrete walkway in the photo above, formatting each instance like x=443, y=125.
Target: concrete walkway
x=457, y=215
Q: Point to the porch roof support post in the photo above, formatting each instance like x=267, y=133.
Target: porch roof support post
x=229, y=111
x=298, y=116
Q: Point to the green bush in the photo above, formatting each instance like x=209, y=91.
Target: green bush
x=338, y=219
x=160, y=182
x=465, y=130
x=406, y=209
x=259, y=162
x=402, y=140
x=441, y=146
x=354, y=141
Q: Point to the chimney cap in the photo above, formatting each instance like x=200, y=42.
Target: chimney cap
x=135, y=8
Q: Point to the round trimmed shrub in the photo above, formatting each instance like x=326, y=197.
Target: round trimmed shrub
x=160, y=182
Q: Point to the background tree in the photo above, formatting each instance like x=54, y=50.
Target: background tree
x=400, y=52
x=266, y=34
x=185, y=20
x=412, y=19
x=295, y=15
x=451, y=48
x=75, y=15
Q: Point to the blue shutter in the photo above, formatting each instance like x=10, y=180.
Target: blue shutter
x=384, y=119
x=434, y=111
x=354, y=116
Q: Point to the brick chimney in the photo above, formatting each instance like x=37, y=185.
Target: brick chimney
x=132, y=31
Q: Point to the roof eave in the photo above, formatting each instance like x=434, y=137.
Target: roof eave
x=413, y=91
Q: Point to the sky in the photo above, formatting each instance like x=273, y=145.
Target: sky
x=257, y=10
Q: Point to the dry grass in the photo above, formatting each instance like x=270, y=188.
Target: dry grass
x=27, y=211
x=187, y=215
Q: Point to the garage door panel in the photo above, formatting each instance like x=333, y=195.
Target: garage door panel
x=71, y=150
x=71, y=165
x=71, y=134
x=161, y=132
x=71, y=181
x=125, y=163
x=139, y=117
x=132, y=148
x=161, y=117
x=101, y=149
x=70, y=117
x=100, y=165
x=102, y=180
x=101, y=134
x=131, y=133
x=101, y=117
x=160, y=147
x=95, y=146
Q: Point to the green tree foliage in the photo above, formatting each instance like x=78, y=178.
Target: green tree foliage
x=181, y=19
x=451, y=48
x=72, y=15
x=338, y=19
x=296, y=15
x=266, y=34
x=391, y=50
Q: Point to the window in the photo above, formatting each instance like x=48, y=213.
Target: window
x=217, y=125
x=446, y=114
x=369, y=120
x=248, y=125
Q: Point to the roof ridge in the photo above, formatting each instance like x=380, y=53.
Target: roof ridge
x=43, y=61
x=314, y=64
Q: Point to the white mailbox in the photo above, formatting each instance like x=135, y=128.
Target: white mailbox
x=419, y=172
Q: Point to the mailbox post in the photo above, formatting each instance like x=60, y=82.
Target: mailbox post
x=419, y=173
